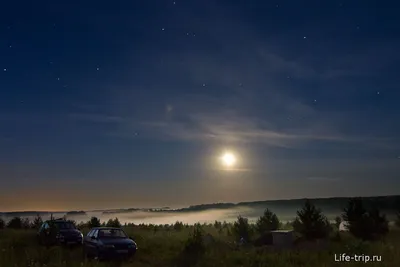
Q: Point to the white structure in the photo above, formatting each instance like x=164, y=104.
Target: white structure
x=282, y=238
x=343, y=226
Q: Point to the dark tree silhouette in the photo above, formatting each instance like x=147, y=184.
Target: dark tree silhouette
x=311, y=223
x=218, y=225
x=268, y=222
x=94, y=222
x=2, y=223
x=195, y=243
x=398, y=219
x=178, y=226
x=338, y=221
x=398, y=213
x=26, y=224
x=37, y=222
x=241, y=229
x=15, y=223
x=363, y=224
x=72, y=222
x=113, y=223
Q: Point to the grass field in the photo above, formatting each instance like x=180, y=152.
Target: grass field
x=165, y=247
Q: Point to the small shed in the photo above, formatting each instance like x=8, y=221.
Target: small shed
x=282, y=238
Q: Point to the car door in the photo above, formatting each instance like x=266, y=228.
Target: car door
x=45, y=233
x=94, y=240
x=86, y=241
x=91, y=244
x=40, y=233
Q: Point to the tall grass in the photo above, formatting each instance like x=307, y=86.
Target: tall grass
x=167, y=246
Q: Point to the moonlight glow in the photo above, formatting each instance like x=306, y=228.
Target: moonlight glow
x=228, y=159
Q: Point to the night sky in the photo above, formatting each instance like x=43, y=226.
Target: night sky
x=113, y=104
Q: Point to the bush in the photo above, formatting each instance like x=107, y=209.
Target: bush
x=37, y=222
x=363, y=224
x=311, y=223
x=113, y=223
x=15, y=223
x=241, y=229
x=268, y=222
x=398, y=219
x=94, y=222
x=2, y=223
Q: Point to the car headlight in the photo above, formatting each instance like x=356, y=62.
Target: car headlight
x=61, y=236
x=132, y=245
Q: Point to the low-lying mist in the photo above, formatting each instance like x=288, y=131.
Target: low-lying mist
x=189, y=217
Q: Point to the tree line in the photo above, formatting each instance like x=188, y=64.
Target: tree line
x=367, y=223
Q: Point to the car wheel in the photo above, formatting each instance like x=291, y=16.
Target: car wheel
x=97, y=255
x=85, y=253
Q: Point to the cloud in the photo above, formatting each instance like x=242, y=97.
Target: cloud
x=247, y=97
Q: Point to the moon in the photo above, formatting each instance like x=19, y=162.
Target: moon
x=228, y=159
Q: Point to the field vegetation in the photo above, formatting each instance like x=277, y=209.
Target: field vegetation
x=223, y=244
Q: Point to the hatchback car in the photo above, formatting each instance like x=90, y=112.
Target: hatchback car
x=59, y=232
x=108, y=242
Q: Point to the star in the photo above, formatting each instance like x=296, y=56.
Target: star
x=187, y=34
x=58, y=79
x=97, y=68
x=4, y=69
x=305, y=37
x=315, y=100
x=162, y=29
x=174, y=2
x=204, y=84
x=10, y=46
x=378, y=93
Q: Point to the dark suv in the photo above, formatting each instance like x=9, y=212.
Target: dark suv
x=59, y=232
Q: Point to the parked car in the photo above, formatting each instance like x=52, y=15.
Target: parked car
x=59, y=232
x=108, y=242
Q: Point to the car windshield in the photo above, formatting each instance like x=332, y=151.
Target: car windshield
x=65, y=225
x=112, y=233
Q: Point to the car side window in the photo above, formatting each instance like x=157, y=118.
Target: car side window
x=90, y=233
x=42, y=227
x=46, y=226
x=95, y=233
